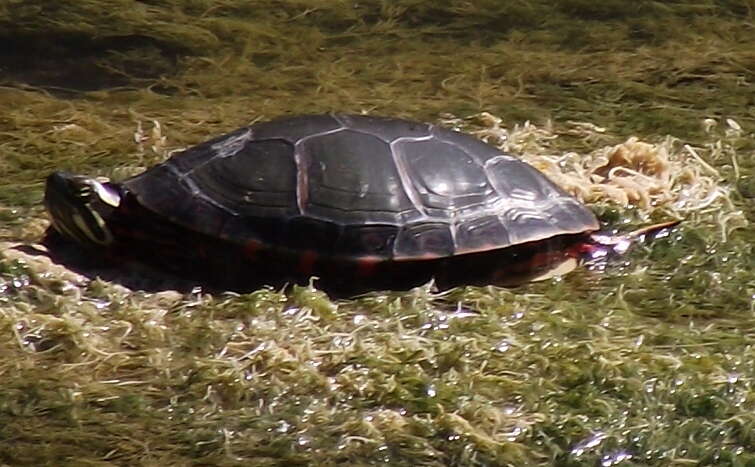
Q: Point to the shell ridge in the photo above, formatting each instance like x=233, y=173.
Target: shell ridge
x=399, y=162
x=302, y=176
x=406, y=183
x=302, y=160
x=404, y=139
x=226, y=148
x=486, y=169
x=193, y=188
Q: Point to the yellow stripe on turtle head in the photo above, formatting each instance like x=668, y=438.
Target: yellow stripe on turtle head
x=93, y=227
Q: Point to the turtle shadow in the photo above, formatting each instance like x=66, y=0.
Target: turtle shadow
x=148, y=271
x=92, y=265
x=139, y=274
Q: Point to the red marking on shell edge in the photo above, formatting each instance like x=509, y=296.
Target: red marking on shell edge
x=367, y=265
x=307, y=262
x=251, y=248
x=584, y=249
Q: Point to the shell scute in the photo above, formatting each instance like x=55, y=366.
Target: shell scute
x=476, y=233
x=425, y=240
x=258, y=177
x=446, y=177
x=373, y=240
x=349, y=175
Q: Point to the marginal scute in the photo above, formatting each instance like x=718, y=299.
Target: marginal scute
x=371, y=240
x=265, y=230
x=482, y=233
x=306, y=233
x=424, y=240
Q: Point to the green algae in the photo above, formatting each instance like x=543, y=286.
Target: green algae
x=647, y=363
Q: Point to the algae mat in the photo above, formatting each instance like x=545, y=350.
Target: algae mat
x=643, y=109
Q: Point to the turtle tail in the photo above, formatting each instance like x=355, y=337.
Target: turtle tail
x=619, y=244
x=651, y=230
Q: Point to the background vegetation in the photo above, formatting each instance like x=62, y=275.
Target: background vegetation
x=650, y=363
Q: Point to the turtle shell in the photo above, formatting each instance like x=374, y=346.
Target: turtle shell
x=353, y=186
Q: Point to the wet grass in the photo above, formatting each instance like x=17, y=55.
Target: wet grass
x=647, y=363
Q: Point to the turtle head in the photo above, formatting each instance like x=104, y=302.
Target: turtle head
x=79, y=206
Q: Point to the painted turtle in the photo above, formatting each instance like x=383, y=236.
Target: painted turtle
x=361, y=202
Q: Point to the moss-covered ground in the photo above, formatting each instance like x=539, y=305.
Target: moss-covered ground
x=650, y=362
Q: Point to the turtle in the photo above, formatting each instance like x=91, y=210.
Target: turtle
x=359, y=202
